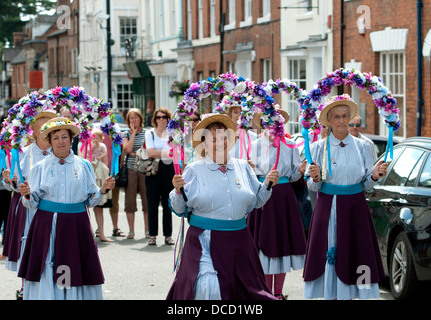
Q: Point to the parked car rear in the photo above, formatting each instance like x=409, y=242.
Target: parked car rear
x=401, y=210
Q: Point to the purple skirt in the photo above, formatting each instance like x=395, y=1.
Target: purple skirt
x=356, y=239
x=15, y=228
x=235, y=259
x=74, y=247
x=277, y=227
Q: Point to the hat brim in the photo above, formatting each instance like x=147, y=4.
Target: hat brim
x=323, y=117
x=71, y=127
x=46, y=114
x=203, y=124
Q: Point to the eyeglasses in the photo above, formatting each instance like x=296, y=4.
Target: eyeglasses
x=195, y=119
x=161, y=117
x=357, y=125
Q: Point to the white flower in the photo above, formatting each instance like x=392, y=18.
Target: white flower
x=240, y=87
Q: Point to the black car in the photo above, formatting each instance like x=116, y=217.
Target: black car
x=380, y=142
x=401, y=208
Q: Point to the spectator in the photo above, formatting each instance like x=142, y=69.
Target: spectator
x=133, y=140
x=159, y=185
x=354, y=129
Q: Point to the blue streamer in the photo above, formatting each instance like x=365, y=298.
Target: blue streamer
x=307, y=152
x=116, y=153
x=390, y=144
x=2, y=161
x=15, y=162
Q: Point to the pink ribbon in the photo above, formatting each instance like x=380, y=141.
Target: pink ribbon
x=242, y=145
x=86, y=144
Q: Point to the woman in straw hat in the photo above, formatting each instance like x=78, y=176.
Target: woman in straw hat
x=60, y=260
x=219, y=259
x=19, y=216
x=277, y=227
x=342, y=259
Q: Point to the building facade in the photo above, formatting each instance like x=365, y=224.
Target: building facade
x=388, y=40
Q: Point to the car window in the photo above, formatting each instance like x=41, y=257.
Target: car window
x=425, y=179
x=415, y=172
x=400, y=172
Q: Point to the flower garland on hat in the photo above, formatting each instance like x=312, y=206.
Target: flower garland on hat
x=381, y=95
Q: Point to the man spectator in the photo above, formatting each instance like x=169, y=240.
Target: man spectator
x=354, y=128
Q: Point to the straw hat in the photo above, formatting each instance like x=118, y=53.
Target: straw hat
x=58, y=123
x=343, y=100
x=258, y=123
x=46, y=114
x=205, y=122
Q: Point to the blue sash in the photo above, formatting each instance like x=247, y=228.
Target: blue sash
x=215, y=224
x=281, y=180
x=334, y=189
x=62, y=207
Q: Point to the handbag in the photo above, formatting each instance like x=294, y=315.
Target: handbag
x=144, y=164
x=121, y=178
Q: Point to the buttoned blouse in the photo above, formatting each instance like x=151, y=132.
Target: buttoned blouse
x=217, y=195
x=72, y=182
x=350, y=164
x=264, y=153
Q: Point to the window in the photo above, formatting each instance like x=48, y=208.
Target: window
x=232, y=13
x=307, y=5
x=173, y=20
x=189, y=19
x=247, y=10
x=212, y=19
x=266, y=7
x=425, y=179
x=128, y=30
x=124, y=96
x=296, y=73
x=160, y=28
x=392, y=71
x=402, y=169
x=201, y=19
x=266, y=69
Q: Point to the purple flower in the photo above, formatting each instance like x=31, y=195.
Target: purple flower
x=315, y=94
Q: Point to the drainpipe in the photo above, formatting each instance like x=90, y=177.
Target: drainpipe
x=419, y=57
x=222, y=23
x=342, y=26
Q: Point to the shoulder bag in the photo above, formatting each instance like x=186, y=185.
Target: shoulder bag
x=144, y=164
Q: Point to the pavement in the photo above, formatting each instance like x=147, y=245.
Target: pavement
x=134, y=270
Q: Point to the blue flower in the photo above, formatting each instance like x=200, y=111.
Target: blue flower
x=315, y=94
x=331, y=255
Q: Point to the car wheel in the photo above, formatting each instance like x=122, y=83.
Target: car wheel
x=402, y=272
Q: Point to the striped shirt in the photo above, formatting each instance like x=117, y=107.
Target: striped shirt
x=139, y=141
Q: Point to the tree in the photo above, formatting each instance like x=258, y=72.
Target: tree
x=11, y=12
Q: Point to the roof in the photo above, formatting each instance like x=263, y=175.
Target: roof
x=20, y=58
x=10, y=53
x=423, y=142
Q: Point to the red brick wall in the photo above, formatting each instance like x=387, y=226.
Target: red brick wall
x=396, y=14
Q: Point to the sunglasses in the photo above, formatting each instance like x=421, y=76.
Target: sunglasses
x=357, y=125
x=161, y=117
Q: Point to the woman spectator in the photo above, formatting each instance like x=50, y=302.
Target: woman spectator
x=159, y=185
x=60, y=240
x=342, y=238
x=133, y=140
x=220, y=260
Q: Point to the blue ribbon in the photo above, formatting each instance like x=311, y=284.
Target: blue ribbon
x=116, y=153
x=51, y=206
x=328, y=150
x=390, y=144
x=307, y=152
x=15, y=162
x=2, y=159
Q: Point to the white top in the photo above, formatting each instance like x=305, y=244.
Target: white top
x=217, y=195
x=157, y=143
x=72, y=182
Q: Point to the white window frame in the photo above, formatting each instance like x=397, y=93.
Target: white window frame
x=173, y=20
x=266, y=69
x=124, y=104
x=232, y=16
x=266, y=12
x=189, y=20
x=294, y=126
x=212, y=18
x=247, y=14
x=307, y=6
x=398, y=88
x=200, y=19
x=124, y=36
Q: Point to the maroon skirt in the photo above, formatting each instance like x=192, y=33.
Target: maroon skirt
x=235, y=259
x=277, y=227
x=15, y=228
x=356, y=239
x=74, y=247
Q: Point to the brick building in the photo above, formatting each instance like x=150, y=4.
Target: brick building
x=248, y=44
x=386, y=45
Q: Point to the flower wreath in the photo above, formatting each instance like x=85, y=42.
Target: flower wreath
x=381, y=95
x=21, y=116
